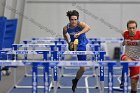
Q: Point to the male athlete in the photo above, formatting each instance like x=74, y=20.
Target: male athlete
x=132, y=52
x=76, y=30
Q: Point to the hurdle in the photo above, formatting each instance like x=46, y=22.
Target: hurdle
x=42, y=52
x=56, y=47
x=51, y=47
x=49, y=38
x=80, y=63
x=27, y=52
x=60, y=44
x=46, y=40
x=68, y=52
x=84, y=64
x=109, y=40
x=99, y=62
x=100, y=53
x=95, y=48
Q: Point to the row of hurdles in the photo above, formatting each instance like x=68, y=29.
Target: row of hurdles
x=54, y=58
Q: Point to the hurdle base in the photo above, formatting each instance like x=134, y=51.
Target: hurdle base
x=18, y=86
x=80, y=87
x=59, y=87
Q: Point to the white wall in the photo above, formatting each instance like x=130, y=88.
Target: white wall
x=107, y=18
x=19, y=15
x=2, y=7
x=10, y=5
x=46, y=19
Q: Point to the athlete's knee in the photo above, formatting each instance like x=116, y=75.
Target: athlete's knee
x=83, y=69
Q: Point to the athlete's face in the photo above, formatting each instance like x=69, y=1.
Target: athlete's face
x=73, y=21
x=132, y=28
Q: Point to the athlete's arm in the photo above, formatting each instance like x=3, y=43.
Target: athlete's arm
x=123, y=43
x=65, y=34
x=85, y=28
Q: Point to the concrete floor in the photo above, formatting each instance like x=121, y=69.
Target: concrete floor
x=7, y=82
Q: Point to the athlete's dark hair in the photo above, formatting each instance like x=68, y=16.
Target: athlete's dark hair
x=130, y=22
x=72, y=13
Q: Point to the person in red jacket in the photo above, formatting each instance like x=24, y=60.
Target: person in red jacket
x=132, y=52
